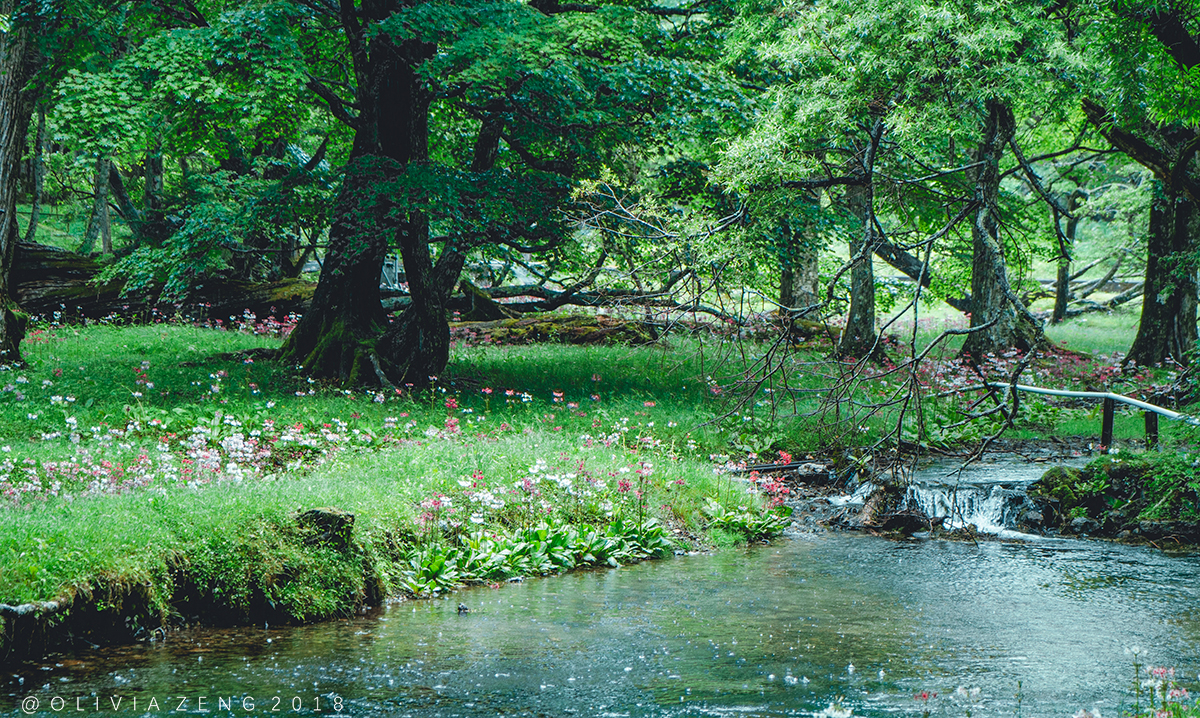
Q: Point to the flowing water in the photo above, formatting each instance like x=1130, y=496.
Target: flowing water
x=988, y=495
x=767, y=631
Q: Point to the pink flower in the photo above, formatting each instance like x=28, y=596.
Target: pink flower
x=623, y=485
x=486, y=390
x=647, y=403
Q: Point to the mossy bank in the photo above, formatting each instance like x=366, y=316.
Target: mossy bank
x=412, y=519
x=1151, y=498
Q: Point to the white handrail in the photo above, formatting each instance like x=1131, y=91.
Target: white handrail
x=1174, y=415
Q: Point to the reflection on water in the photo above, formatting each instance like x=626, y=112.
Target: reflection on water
x=770, y=631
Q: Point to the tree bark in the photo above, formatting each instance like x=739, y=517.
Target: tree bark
x=1167, y=331
x=342, y=337
x=799, y=274
x=99, y=206
x=336, y=337
x=999, y=325
x=1062, y=286
x=39, y=176
x=129, y=212
x=19, y=62
x=859, y=338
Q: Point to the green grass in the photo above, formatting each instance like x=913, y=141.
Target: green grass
x=151, y=461
x=157, y=459
x=1098, y=333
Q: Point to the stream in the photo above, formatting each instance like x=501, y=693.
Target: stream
x=765, y=631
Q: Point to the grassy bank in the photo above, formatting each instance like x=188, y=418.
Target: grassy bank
x=152, y=475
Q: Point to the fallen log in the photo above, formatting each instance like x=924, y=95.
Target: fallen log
x=53, y=283
x=1086, y=307
x=565, y=329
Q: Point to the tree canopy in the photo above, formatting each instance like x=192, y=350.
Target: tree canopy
x=614, y=151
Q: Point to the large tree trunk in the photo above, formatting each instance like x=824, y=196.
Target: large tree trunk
x=859, y=338
x=336, y=337
x=1168, y=326
x=1000, y=325
x=342, y=335
x=19, y=60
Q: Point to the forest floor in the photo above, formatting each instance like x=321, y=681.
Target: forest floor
x=162, y=474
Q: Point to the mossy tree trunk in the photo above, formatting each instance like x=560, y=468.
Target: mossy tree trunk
x=859, y=338
x=39, y=175
x=798, y=278
x=19, y=61
x=999, y=325
x=1167, y=331
x=335, y=339
x=1062, y=284
x=345, y=336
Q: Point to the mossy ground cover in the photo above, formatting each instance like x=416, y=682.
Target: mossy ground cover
x=1150, y=496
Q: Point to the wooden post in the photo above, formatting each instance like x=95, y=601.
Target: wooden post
x=1151, y=430
x=1106, y=428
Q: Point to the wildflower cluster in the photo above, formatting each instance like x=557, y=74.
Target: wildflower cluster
x=113, y=460
x=249, y=323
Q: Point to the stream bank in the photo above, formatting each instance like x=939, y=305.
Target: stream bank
x=1150, y=498
x=769, y=631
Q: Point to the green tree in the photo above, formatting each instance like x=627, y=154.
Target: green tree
x=27, y=35
x=472, y=122
x=947, y=81
x=1143, y=97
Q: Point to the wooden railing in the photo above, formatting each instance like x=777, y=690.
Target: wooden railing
x=1110, y=400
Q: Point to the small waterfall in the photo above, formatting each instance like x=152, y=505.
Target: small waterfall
x=861, y=493
x=992, y=509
